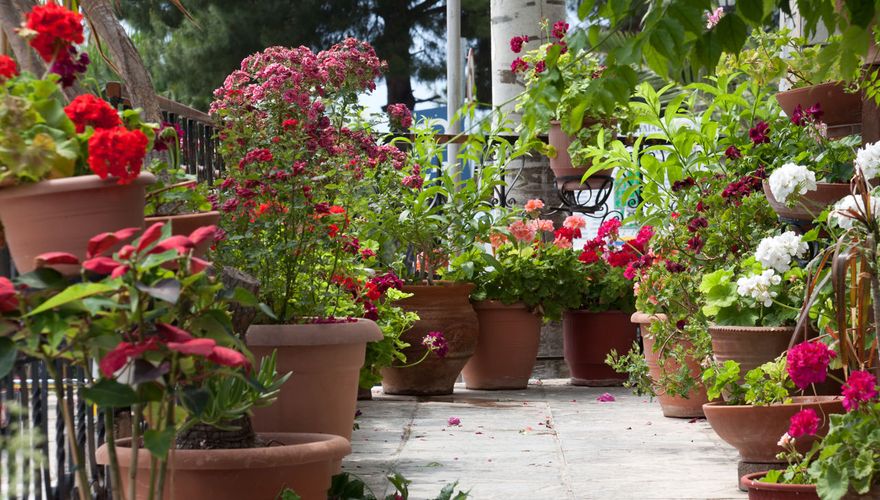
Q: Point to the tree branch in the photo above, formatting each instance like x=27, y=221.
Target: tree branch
x=12, y=13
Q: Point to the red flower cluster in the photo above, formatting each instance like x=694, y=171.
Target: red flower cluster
x=400, y=116
x=732, y=152
x=807, y=363
x=88, y=110
x=632, y=255
x=118, y=152
x=804, y=423
x=8, y=295
x=8, y=67
x=436, y=342
x=57, y=28
x=801, y=116
x=560, y=28
x=860, y=387
x=259, y=155
x=683, y=184
x=516, y=43
x=746, y=185
x=759, y=134
x=518, y=65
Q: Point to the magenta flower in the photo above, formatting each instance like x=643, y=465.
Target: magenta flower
x=860, y=387
x=759, y=134
x=518, y=65
x=560, y=28
x=797, y=116
x=804, y=423
x=436, y=342
x=814, y=112
x=605, y=398
x=732, y=152
x=540, y=66
x=807, y=363
x=516, y=43
x=454, y=421
x=400, y=116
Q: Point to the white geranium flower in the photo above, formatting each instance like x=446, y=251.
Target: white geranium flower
x=791, y=179
x=840, y=215
x=868, y=160
x=776, y=252
x=758, y=286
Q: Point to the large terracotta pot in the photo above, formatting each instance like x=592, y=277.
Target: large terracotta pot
x=839, y=107
x=61, y=215
x=568, y=176
x=588, y=337
x=325, y=359
x=443, y=307
x=187, y=223
x=506, y=349
x=811, y=204
x=755, y=430
x=304, y=463
x=750, y=346
x=771, y=491
x=672, y=406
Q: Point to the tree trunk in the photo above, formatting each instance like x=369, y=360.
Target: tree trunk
x=393, y=45
x=125, y=57
x=12, y=13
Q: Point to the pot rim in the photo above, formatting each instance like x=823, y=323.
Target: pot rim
x=304, y=448
x=807, y=88
x=497, y=304
x=67, y=184
x=750, y=329
x=641, y=317
x=797, y=402
x=194, y=215
x=313, y=334
x=750, y=481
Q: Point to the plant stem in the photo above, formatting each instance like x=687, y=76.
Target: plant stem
x=70, y=428
x=137, y=414
x=116, y=478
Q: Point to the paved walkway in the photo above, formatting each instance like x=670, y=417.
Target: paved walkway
x=552, y=441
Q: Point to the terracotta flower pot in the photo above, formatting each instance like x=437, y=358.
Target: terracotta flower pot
x=444, y=307
x=568, y=176
x=321, y=395
x=61, y=215
x=811, y=204
x=672, y=406
x=771, y=491
x=506, y=349
x=750, y=346
x=304, y=463
x=187, y=223
x=839, y=107
x=755, y=430
x=588, y=337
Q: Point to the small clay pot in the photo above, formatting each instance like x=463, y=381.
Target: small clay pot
x=507, y=347
x=839, y=106
x=304, y=463
x=185, y=224
x=811, y=204
x=443, y=307
x=772, y=491
x=750, y=346
x=62, y=215
x=325, y=359
x=568, y=176
x=588, y=338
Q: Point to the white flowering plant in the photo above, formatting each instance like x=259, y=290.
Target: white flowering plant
x=791, y=181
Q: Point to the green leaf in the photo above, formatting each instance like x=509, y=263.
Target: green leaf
x=585, y=8
x=196, y=399
x=732, y=33
x=159, y=442
x=167, y=289
x=110, y=394
x=8, y=353
x=42, y=278
x=752, y=10
x=72, y=293
x=833, y=484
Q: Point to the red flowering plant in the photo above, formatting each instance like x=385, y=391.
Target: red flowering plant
x=157, y=325
x=42, y=135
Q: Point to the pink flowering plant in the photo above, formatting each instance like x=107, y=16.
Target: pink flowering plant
x=154, y=322
x=532, y=262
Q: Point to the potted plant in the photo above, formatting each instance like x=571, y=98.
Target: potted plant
x=178, y=197
x=753, y=307
x=70, y=169
x=525, y=279
x=298, y=162
x=564, y=102
x=600, y=323
x=424, y=223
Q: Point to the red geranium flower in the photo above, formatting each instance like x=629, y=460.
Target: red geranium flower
x=807, y=363
x=57, y=27
x=88, y=110
x=8, y=67
x=860, y=387
x=8, y=295
x=117, y=152
x=804, y=423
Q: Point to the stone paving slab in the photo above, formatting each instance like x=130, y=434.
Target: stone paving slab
x=552, y=441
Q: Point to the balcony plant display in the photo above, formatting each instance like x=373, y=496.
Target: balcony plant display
x=300, y=162
x=178, y=197
x=69, y=169
x=423, y=224
x=600, y=323
x=562, y=99
x=531, y=274
x=753, y=306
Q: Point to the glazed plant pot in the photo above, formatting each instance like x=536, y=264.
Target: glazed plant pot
x=304, y=463
x=588, y=337
x=811, y=204
x=185, y=224
x=672, y=406
x=568, y=176
x=755, y=430
x=61, y=215
x=506, y=349
x=443, y=307
x=839, y=106
x=771, y=491
x=750, y=346
x=325, y=359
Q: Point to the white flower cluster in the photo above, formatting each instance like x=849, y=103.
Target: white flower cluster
x=868, y=160
x=791, y=179
x=776, y=252
x=840, y=215
x=758, y=286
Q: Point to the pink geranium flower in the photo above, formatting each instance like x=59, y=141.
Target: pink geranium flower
x=575, y=222
x=804, y=423
x=522, y=231
x=860, y=387
x=807, y=363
